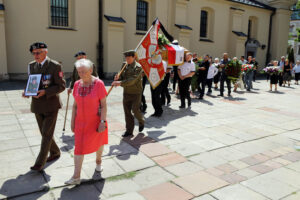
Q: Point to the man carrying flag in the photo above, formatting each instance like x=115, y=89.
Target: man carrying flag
x=131, y=80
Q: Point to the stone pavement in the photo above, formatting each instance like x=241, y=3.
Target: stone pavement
x=239, y=148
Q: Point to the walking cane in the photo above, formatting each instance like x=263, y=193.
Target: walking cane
x=66, y=112
x=120, y=72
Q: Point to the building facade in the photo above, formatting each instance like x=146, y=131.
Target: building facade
x=294, y=37
x=106, y=28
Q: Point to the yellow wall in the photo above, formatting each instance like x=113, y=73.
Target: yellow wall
x=28, y=21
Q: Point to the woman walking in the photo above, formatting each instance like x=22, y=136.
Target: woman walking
x=88, y=118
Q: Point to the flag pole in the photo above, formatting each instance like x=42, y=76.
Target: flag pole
x=123, y=68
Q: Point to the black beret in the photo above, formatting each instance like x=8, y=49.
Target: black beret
x=80, y=53
x=37, y=45
x=129, y=53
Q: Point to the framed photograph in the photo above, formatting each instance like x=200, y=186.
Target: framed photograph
x=33, y=84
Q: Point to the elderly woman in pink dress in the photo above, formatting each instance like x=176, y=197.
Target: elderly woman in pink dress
x=88, y=118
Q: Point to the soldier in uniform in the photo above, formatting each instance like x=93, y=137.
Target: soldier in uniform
x=131, y=80
x=75, y=77
x=46, y=104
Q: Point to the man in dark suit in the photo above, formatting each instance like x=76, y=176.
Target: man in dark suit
x=202, y=76
x=46, y=104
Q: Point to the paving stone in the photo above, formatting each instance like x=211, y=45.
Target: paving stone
x=239, y=164
x=229, y=154
x=282, y=161
x=13, y=144
x=154, y=149
x=134, y=162
x=152, y=176
x=269, y=187
x=128, y=196
x=285, y=175
x=273, y=164
x=207, y=160
x=169, y=159
x=184, y=168
x=227, y=168
x=204, y=197
x=294, y=196
x=113, y=188
x=165, y=191
x=200, y=183
x=215, y=172
x=233, y=178
x=248, y=173
x=261, y=157
x=271, y=154
x=237, y=191
x=261, y=168
x=209, y=144
x=187, y=149
x=293, y=157
x=251, y=160
x=294, y=166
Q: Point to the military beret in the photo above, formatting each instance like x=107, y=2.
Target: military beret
x=129, y=53
x=37, y=45
x=80, y=53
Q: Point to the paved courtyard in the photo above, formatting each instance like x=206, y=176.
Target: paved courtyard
x=239, y=148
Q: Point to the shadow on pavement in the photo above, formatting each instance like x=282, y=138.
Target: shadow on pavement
x=26, y=184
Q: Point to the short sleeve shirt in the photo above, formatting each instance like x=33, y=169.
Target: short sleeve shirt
x=186, y=68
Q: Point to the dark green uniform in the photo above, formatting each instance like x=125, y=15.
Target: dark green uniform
x=131, y=81
x=46, y=107
x=75, y=77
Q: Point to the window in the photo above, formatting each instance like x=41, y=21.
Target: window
x=60, y=13
x=142, y=15
x=203, y=24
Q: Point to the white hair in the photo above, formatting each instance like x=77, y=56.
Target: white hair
x=217, y=59
x=275, y=61
x=84, y=63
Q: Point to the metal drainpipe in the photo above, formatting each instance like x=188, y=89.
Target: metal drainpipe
x=270, y=37
x=100, y=41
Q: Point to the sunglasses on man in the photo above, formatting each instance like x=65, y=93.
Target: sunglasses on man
x=37, y=53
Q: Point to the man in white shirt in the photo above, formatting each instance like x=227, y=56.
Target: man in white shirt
x=185, y=73
x=212, y=71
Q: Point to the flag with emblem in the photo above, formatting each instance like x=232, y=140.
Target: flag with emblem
x=149, y=55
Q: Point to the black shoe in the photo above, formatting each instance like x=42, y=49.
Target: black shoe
x=221, y=95
x=181, y=106
x=37, y=168
x=229, y=94
x=153, y=115
x=127, y=134
x=200, y=98
x=141, y=128
x=189, y=104
x=248, y=90
x=144, y=108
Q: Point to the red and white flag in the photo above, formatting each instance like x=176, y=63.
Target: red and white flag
x=175, y=54
x=149, y=56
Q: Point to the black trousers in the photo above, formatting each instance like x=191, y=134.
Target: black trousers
x=201, y=85
x=165, y=91
x=254, y=75
x=228, y=83
x=176, y=77
x=184, y=86
x=217, y=78
x=143, y=102
x=156, y=101
x=209, y=84
x=280, y=79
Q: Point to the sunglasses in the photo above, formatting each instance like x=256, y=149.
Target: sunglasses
x=37, y=53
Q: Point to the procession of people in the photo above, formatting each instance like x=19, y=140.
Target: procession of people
x=89, y=110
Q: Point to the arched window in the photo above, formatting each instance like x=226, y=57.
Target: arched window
x=141, y=15
x=203, y=24
x=59, y=13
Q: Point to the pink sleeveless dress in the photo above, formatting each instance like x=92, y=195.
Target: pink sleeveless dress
x=87, y=139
